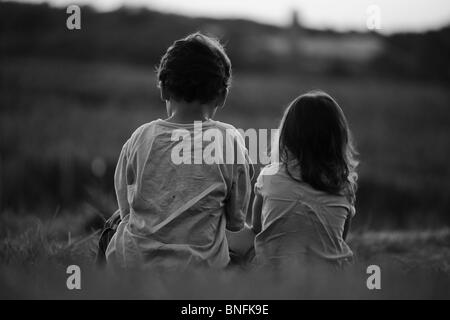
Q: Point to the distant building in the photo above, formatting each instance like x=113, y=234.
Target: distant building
x=295, y=20
x=295, y=33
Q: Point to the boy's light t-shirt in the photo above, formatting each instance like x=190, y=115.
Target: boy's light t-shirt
x=298, y=221
x=175, y=214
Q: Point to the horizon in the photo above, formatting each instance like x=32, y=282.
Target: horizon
x=321, y=15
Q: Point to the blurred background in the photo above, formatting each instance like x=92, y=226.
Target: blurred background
x=69, y=99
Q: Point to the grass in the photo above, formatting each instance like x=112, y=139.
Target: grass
x=35, y=253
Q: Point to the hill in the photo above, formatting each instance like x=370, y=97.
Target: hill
x=140, y=36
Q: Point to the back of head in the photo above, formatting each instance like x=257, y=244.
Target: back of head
x=314, y=131
x=195, y=68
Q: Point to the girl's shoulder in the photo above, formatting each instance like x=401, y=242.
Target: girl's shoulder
x=281, y=172
x=270, y=169
x=275, y=179
x=330, y=200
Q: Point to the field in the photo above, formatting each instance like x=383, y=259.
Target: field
x=35, y=255
x=62, y=126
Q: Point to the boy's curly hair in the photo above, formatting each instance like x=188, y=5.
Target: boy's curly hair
x=195, y=68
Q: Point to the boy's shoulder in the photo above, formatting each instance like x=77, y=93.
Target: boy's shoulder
x=138, y=134
x=224, y=125
x=229, y=130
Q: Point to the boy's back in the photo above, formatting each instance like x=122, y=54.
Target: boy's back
x=175, y=214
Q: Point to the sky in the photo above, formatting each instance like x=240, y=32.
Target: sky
x=341, y=15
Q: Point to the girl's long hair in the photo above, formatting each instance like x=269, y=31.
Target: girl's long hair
x=315, y=133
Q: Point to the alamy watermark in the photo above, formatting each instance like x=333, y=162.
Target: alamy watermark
x=374, y=280
x=73, y=281
x=218, y=146
x=73, y=21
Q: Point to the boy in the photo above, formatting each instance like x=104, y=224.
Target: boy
x=174, y=215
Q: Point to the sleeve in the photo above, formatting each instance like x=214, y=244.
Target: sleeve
x=240, y=191
x=352, y=200
x=120, y=182
x=239, y=198
x=352, y=211
x=259, y=184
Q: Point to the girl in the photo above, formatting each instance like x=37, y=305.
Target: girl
x=304, y=204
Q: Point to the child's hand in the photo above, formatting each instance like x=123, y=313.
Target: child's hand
x=240, y=243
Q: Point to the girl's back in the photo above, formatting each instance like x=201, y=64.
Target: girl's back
x=299, y=222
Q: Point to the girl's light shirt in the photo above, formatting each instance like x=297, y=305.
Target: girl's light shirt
x=175, y=215
x=299, y=221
